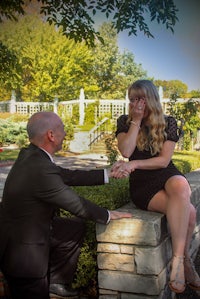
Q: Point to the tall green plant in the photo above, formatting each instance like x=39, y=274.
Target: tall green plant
x=112, y=151
x=188, y=118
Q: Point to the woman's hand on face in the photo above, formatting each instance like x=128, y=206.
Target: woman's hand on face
x=137, y=109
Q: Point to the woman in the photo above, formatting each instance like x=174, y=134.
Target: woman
x=147, y=137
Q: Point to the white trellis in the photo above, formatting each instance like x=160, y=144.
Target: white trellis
x=112, y=108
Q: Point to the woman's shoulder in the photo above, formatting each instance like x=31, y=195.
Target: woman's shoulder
x=170, y=120
x=172, y=128
x=122, y=121
x=123, y=118
x=122, y=125
x=169, y=117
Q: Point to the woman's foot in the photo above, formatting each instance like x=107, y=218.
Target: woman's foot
x=177, y=277
x=191, y=276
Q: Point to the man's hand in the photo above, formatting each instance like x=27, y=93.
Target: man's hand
x=118, y=215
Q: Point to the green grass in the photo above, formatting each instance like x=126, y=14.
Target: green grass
x=185, y=161
x=8, y=155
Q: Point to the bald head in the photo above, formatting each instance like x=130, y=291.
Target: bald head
x=40, y=122
x=46, y=130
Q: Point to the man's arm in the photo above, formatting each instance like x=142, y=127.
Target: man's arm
x=92, y=177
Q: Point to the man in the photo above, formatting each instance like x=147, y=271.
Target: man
x=36, y=246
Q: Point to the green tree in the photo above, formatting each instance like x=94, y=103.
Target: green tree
x=77, y=17
x=51, y=64
x=77, y=21
x=188, y=119
x=129, y=71
x=8, y=68
x=104, y=67
x=188, y=113
x=195, y=93
x=172, y=87
x=113, y=71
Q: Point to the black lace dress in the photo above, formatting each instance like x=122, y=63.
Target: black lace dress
x=144, y=184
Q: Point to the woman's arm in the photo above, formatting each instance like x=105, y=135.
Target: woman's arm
x=161, y=161
x=127, y=141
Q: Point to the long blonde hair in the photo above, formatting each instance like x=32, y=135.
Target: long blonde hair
x=152, y=133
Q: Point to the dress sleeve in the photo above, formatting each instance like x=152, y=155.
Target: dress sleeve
x=122, y=126
x=172, y=129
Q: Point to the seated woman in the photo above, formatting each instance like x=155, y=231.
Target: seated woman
x=147, y=137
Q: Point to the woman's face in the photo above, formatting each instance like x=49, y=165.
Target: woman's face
x=138, y=102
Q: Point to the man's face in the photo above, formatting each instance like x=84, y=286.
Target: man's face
x=59, y=135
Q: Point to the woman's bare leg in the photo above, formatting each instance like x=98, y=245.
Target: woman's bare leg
x=174, y=202
x=191, y=226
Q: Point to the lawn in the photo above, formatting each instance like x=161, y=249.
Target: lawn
x=185, y=161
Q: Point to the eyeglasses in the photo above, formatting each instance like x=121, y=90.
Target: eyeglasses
x=136, y=99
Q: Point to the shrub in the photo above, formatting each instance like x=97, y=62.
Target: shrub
x=10, y=132
x=112, y=151
x=4, y=115
x=21, y=140
x=111, y=196
x=17, y=118
x=90, y=112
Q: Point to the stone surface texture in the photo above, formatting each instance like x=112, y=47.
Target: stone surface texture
x=134, y=254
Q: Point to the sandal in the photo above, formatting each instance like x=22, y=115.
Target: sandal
x=191, y=276
x=178, y=261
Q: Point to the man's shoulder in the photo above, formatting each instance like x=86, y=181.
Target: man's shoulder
x=33, y=156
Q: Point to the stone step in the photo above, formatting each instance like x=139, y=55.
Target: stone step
x=80, y=144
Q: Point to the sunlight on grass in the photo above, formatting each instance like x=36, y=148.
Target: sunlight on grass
x=185, y=161
x=8, y=155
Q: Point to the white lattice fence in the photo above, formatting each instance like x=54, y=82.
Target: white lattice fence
x=112, y=107
x=4, y=106
x=30, y=107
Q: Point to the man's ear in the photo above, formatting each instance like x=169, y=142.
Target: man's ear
x=50, y=135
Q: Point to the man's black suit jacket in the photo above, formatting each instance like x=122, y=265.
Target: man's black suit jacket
x=34, y=189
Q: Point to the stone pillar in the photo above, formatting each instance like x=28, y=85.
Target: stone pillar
x=133, y=254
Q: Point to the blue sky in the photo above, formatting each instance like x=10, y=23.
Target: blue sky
x=170, y=56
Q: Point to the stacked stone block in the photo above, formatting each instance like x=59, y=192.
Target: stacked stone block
x=134, y=253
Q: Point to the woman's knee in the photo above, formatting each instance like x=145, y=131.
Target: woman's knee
x=179, y=186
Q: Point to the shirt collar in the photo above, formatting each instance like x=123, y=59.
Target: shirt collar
x=51, y=158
